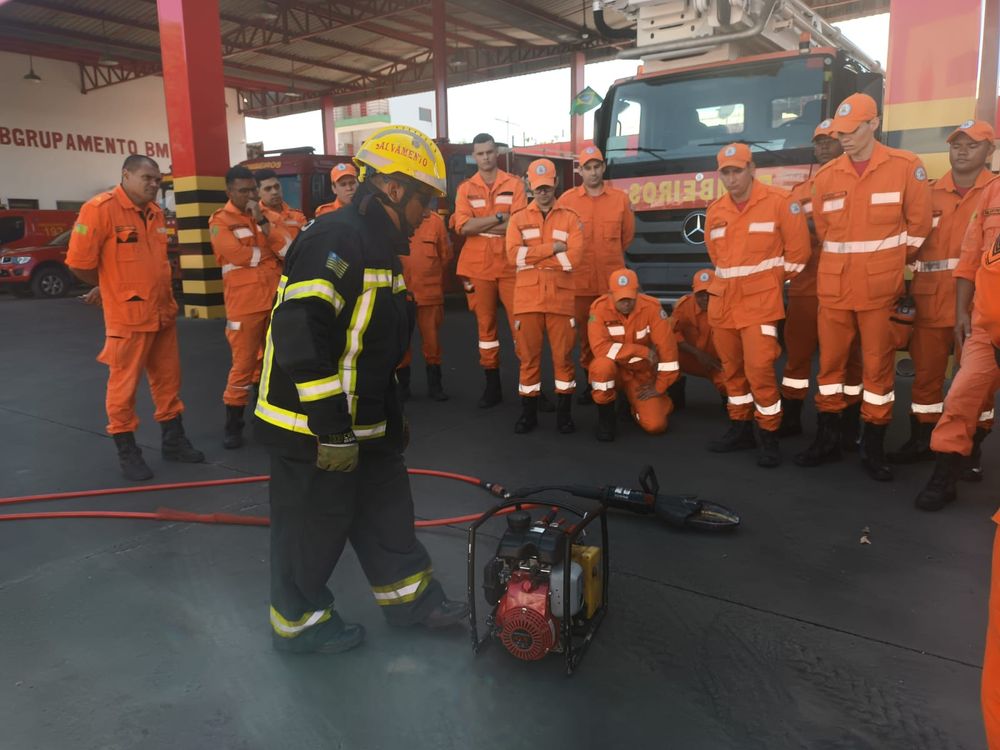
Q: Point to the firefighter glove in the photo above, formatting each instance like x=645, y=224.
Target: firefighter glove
x=337, y=452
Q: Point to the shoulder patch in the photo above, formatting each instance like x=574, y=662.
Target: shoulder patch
x=80, y=228
x=214, y=229
x=663, y=314
x=794, y=207
x=336, y=264
x=920, y=174
x=591, y=319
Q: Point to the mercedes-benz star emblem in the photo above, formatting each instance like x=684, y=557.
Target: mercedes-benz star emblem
x=693, y=228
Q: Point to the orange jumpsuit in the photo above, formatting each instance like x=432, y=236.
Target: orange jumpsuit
x=423, y=272
x=870, y=226
x=754, y=251
x=482, y=260
x=608, y=229
x=801, y=317
x=933, y=290
x=970, y=399
x=544, y=292
x=690, y=324
x=128, y=247
x=251, y=266
x=326, y=208
x=291, y=220
x=621, y=355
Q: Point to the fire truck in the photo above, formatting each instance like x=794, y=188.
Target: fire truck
x=764, y=72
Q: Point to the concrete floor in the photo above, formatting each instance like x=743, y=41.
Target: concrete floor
x=789, y=634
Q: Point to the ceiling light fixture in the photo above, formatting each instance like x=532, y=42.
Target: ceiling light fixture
x=31, y=75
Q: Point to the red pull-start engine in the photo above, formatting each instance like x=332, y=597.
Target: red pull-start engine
x=526, y=626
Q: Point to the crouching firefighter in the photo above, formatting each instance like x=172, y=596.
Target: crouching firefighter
x=329, y=411
x=634, y=350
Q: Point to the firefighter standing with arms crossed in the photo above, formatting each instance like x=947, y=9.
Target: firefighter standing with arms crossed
x=872, y=212
x=954, y=198
x=330, y=414
x=757, y=237
x=634, y=351
x=119, y=242
x=423, y=272
x=344, y=181
x=483, y=205
x=608, y=229
x=801, y=331
x=544, y=244
x=249, y=248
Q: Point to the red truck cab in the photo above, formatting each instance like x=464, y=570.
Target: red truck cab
x=33, y=247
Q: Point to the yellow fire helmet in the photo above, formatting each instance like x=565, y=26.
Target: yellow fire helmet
x=398, y=149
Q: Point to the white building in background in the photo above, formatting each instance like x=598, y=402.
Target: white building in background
x=59, y=147
x=356, y=122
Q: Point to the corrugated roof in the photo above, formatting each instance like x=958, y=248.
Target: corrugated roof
x=292, y=52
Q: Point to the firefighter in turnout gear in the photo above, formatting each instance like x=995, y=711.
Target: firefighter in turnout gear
x=871, y=208
x=757, y=238
x=634, y=351
x=329, y=411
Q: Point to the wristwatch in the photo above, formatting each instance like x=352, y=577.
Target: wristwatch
x=501, y=217
x=262, y=221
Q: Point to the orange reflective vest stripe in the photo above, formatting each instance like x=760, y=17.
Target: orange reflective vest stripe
x=754, y=251
x=128, y=248
x=869, y=226
x=482, y=255
x=608, y=229
x=544, y=281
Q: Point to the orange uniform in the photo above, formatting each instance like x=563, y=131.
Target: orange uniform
x=251, y=267
x=801, y=319
x=690, y=324
x=608, y=229
x=128, y=247
x=423, y=272
x=483, y=261
x=933, y=290
x=544, y=292
x=326, y=208
x=291, y=220
x=754, y=249
x=870, y=226
x=621, y=346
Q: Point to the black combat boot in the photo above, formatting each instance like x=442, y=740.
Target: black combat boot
x=768, y=455
x=940, y=489
x=174, y=444
x=130, y=458
x=545, y=405
x=234, y=428
x=331, y=636
x=449, y=612
x=678, y=393
x=738, y=437
x=918, y=447
x=606, y=419
x=971, y=469
x=434, y=389
x=564, y=416
x=403, y=383
x=791, y=417
x=586, y=396
x=529, y=415
x=826, y=445
x=850, y=428
x=492, y=394
x=873, y=452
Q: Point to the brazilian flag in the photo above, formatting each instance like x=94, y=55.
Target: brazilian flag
x=585, y=101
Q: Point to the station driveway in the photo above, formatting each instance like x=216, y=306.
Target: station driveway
x=790, y=633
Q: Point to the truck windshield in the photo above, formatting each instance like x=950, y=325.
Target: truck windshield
x=773, y=105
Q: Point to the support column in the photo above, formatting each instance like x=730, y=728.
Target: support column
x=199, y=145
x=329, y=125
x=576, y=84
x=439, y=54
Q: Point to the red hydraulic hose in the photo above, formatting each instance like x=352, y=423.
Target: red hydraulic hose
x=170, y=514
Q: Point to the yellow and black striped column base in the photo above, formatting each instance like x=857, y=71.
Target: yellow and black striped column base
x=197, y=198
